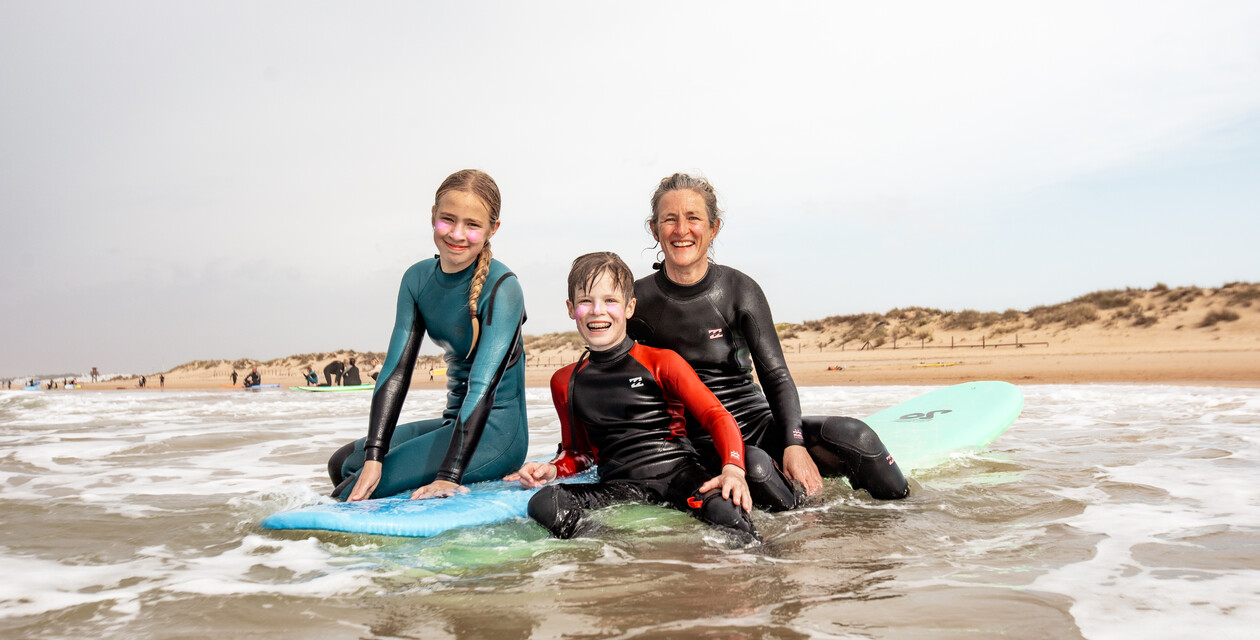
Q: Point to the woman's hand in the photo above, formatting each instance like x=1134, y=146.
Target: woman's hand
x=533, y=474
x=733, y=486
x=438, y=489
x=369, y=477
x=800, y=466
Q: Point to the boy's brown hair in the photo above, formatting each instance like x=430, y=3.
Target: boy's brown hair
x=588, y=268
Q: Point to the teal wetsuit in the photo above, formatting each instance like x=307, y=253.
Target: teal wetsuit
x=482, y=433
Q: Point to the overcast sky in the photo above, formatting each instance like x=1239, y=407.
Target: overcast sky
x=203, y=180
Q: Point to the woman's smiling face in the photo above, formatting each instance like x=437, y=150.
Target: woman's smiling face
x=684, y=230
x=461, y=227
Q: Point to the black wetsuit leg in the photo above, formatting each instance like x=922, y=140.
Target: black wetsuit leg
x=336, y=462
x=770, y=488
x=848, y=447
x=683, y=492
x=560, y=508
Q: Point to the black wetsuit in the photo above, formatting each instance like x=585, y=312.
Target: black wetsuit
x=622, y=409
x=332, y=372
x=723, y=328
x=351, y=377
x=253, y=379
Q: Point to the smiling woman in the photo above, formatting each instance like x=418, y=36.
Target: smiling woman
x=718, y=320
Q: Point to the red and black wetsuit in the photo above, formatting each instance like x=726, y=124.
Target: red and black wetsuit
x=623, y=409
x=723, y=328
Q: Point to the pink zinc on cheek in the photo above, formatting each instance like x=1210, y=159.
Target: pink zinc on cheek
x=442, y=226
x=475, y=235
x=582, y=310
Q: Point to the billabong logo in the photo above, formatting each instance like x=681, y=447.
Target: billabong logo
x=924, y=416
x=636, y=382
x=714, y=334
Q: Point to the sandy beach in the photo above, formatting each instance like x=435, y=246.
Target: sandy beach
x=1184, y=336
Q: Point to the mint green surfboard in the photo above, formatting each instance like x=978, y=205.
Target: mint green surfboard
x=352, y=387
x=927, y=430
x=921, y=433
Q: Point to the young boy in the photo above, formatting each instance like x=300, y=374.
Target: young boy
x=621, y=407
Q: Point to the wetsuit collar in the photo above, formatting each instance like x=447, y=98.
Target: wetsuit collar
x=683, y=291
x=609, y=355
x=452, y=280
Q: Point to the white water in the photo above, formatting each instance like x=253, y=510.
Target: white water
x=1105, y=512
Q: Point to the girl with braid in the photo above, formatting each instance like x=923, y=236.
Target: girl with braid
x=718, y=320
x=470, y=305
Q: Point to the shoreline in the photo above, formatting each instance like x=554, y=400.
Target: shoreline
x=903, y=366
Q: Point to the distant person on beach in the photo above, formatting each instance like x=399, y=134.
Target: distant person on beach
x=472, y=306
x=95, y=374
x=162, y=380
x=375, y=372
x=142, y=382
x=332, y=373
x=719, y=321
x=312, y=378
x=253, y=379
x=351, y=377
x=634, y=433
x=234, y=377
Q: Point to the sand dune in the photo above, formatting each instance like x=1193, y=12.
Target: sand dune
x=1185, y=335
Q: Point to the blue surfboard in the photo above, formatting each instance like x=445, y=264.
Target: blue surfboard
x=921, y=433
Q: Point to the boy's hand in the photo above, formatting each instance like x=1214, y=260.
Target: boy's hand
x=733, y=486
x=798, y=465
x=533, y=474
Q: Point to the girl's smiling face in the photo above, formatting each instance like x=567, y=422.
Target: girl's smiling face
x=601, y=313
x=461, y=227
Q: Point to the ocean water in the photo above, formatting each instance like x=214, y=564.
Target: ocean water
x=1104, y=512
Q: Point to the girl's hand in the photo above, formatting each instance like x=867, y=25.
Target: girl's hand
x=438, y=489
x=369, y=477
x=733, y=486
x=533, y=474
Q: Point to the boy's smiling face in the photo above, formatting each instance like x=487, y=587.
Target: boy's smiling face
x=601, y=313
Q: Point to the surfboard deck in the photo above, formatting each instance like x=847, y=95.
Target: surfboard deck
x=921, y=433
x=353, y=387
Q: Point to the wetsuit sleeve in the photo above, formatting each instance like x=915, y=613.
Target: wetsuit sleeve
x=395, y=378
x=680, y=381
x=757, y=326
x=575, y=454
x=498, y=347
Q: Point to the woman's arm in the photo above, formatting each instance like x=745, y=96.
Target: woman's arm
x=757, y=325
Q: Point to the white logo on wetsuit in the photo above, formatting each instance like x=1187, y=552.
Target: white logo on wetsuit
x=714, y=334
x=636, y=382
